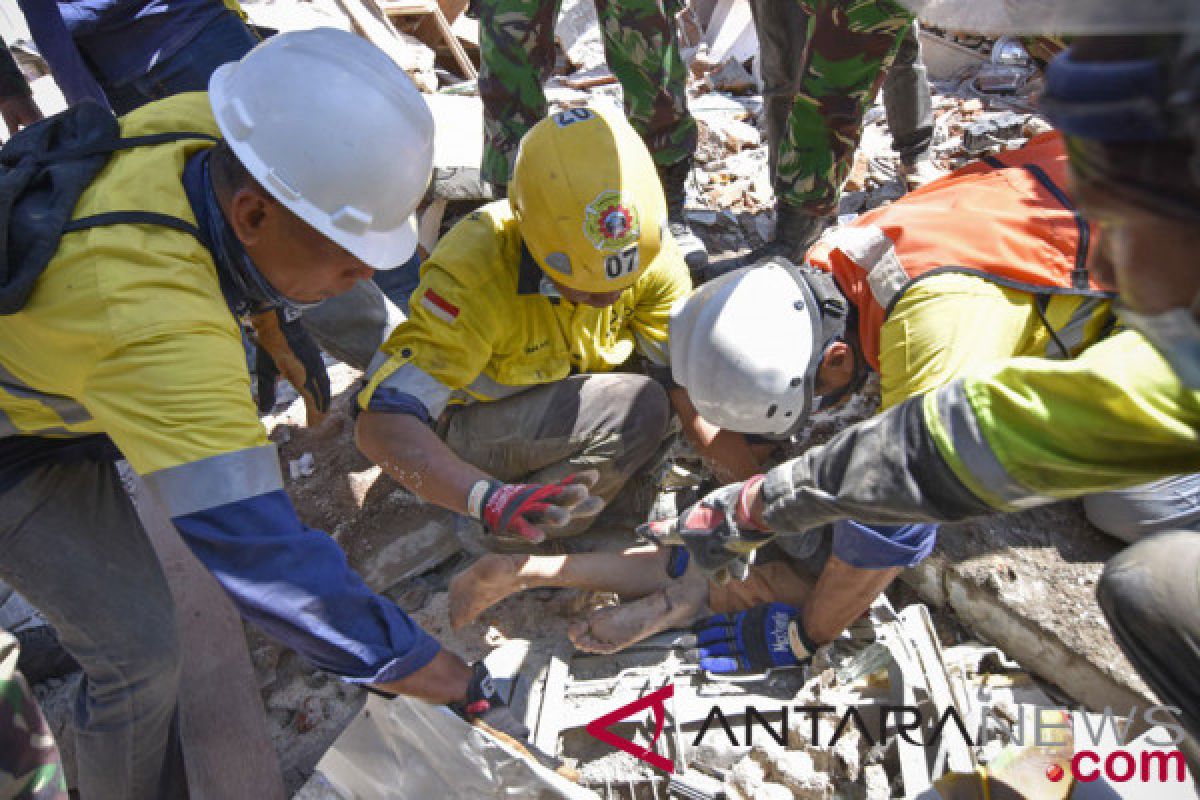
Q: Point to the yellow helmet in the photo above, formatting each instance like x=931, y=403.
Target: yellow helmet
x=588, y=200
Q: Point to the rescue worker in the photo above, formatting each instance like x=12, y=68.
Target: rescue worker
x=1020, y=433
x=504, y=396
x=118, y=337
x=517, y=52
x=823, y=62
x=760, y=348
x=126, y=53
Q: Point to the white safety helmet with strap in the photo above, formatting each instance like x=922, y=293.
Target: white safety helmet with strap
x=336, y=132
x=746, y=346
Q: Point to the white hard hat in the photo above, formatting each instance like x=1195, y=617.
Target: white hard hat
x=336, y=132
x=746, y=347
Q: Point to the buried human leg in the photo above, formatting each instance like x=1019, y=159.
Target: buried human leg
x=632, y=573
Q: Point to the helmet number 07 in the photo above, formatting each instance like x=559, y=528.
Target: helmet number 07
x=621, y=263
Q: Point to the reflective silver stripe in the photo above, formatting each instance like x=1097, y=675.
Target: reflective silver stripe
x=958, y=419
x=67, y=409
x=377, y=361
x=494, y=390
x=415, y=381
x=871, y=249
x=1071, y=335
x=217, y=480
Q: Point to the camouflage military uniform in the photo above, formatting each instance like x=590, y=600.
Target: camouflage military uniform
x=516, y=39
x=831, y=57
x=30, y=767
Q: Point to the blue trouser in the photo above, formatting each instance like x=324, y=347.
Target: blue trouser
x=883, y=546
x=227, y=38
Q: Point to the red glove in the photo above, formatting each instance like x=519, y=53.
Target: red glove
x=719, y=531
x=524, y=509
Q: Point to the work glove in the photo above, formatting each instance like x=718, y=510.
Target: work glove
x=286, y=347
x=717, y=531
x=767, y=636
x=524, y=509
x=486, y=710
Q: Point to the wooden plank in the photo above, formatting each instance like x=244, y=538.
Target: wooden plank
x=227, y=751
x=375, y=26
x=456, y=48
x=447, y=37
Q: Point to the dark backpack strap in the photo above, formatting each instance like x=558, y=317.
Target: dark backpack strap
x=133, y=218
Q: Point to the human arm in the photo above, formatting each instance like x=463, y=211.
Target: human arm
x=176, y=402
x=412, y=454
x=726, y=452
x=1019, y=434
x=16, y=99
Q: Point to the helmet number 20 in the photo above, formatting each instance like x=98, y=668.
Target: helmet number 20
x=621, y=263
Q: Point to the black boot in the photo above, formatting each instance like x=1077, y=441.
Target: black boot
x=795, y=232
x=673, y=179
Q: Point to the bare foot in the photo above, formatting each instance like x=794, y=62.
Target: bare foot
x=483, y=584
x=608, y=630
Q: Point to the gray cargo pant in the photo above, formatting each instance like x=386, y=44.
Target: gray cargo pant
x=1150, y=594
x=71, y=542
x=609, y=422
x=1168, y=504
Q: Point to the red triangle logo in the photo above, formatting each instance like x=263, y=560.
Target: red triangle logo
x=655, y=700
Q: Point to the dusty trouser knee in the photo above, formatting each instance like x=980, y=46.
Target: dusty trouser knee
x=71, y=542
x=611, y=423
x=1150, y=594
x=907, y=100
x=1131, y=514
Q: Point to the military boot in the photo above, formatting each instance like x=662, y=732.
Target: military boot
x=795, y=232
x=673, y=179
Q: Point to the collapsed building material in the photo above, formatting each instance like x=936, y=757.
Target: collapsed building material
x=409, y=53
x=578, y=32
x=406, y=749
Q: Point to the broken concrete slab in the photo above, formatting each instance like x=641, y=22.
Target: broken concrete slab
x=458, y=148
x=946, y=60
x=578, y=32
x=1026, y=582
x=730, y=33
x=292, y=15
x=730, y=76
x=407, y=749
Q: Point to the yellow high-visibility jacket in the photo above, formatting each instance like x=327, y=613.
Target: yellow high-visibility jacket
x=127, y=333
x=484, y=326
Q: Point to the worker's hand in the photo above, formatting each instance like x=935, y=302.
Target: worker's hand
x=719, y=531
x=525, y=509
x=19, y=111
x=486, y=710
x=285, y=347
x=766, y=636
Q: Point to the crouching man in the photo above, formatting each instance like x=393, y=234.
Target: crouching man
x=119, y=337
x=500, y=397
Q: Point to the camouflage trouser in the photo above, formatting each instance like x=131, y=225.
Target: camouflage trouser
x=30, y=767
x=517, y=52
x=831, y=57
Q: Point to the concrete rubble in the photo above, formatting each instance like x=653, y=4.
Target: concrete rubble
x=987, y=580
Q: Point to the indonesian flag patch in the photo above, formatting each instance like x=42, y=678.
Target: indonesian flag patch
x=439, y=306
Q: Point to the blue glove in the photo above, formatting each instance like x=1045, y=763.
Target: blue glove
x=766, y=636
